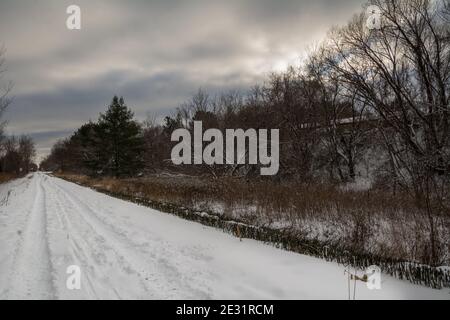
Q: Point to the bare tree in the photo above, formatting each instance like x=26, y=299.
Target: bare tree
x=11, y=158
x=27, y=152
x=4, y=92
x=402, y=72
x=344, y=121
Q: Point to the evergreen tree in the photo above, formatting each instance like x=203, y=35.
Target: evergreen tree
x=86, y=144
x=121, y=142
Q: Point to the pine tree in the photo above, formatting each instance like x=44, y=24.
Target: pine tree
x=121, y=141
x=87, y=149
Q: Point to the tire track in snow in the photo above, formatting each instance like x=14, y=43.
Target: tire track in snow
x=99, y=249
x=158, y=272
x=66, y=249
x=32, y=275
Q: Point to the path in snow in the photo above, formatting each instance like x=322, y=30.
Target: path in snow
x=126, y=251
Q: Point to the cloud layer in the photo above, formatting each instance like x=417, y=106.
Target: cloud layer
x=154, y=53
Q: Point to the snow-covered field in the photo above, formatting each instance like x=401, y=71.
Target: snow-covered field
x=130, y=252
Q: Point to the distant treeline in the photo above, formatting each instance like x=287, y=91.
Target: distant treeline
x=17, y=155
x=114, y=145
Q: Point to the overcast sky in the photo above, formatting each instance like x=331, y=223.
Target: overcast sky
x=154, y=53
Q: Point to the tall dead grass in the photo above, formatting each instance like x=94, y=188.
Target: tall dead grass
x=374, y=222
x=6, y=177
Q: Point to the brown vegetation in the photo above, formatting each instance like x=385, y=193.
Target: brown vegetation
x=6, y=177
x=373, y=222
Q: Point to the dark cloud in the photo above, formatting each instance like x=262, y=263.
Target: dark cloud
x=154, y=53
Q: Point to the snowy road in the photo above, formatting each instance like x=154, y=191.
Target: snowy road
x=130, y=252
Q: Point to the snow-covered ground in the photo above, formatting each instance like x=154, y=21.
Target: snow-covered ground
x=127, y=251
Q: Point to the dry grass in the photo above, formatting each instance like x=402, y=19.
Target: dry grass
x=5, y=177
x=371, y=221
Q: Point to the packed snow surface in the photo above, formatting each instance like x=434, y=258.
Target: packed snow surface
x=126, y=251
